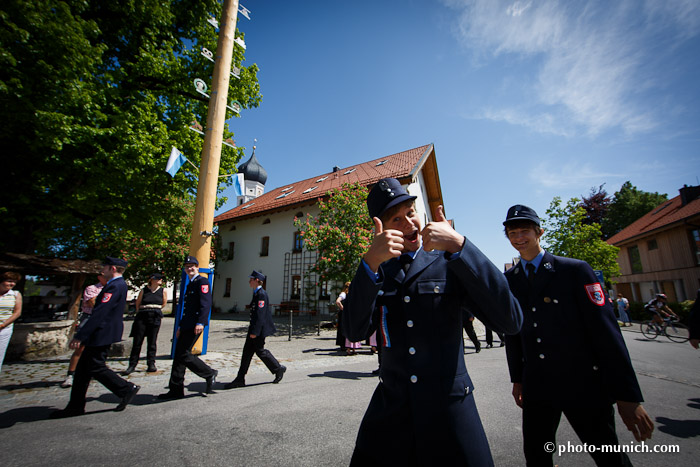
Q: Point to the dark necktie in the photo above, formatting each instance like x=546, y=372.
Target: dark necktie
x=406, y=261
x=530, y=274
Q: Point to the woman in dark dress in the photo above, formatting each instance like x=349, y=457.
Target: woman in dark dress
x=149, y=306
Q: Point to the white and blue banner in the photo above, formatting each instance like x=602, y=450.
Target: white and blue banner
x=175, y=161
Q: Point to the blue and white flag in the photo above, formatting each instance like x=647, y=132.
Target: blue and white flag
x=238, y=184
x=175, y=161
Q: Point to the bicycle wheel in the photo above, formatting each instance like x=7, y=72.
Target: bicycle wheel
x=649, y=329
x=677, y=332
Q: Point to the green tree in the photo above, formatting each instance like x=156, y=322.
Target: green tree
x=341, y=233
x=567, y=234
x=94, y=94
x=628, y=205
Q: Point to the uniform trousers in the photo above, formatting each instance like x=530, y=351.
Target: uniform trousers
x=256, y=346
x=489, y=336
x=144, y=327
x=469, y=328
x=184, y=359
x=92, y=365
x=594, y=426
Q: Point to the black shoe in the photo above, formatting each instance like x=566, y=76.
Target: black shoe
x=151, y=368
x=171, y=395
x=65, y=413
x=210, y=382
x=236, y=383
x=127, y=398
x=478, y=349
x=279, y=374
x=488, y=346
x=376, y=372
x=503, y=344
x=130, y=369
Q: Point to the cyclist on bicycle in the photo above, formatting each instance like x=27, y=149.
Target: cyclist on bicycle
x=659, y=309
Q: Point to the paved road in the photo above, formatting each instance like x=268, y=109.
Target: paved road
x=310, y=419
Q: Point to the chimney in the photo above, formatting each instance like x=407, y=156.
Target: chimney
x=689, y=194
x=336, y=168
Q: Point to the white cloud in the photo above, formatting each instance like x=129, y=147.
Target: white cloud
x=571, y=176
x=590, y=63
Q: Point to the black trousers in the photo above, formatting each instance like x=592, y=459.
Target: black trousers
x=594, y=426
x=92, y=365
x=489, y=336
x=145, y=326
x=185, y=360
x=469, y=328
x=256, y=346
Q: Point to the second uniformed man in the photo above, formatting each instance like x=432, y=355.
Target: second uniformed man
x=570, y=356
x=423, y=411
x=195, y=316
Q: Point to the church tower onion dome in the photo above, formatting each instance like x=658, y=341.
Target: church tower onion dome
x=253, y=171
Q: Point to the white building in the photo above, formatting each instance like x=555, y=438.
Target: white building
x=260, y=234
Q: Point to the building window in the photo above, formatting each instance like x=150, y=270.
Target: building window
x=298, y=242
x=652, y=245
x=266, y=221
x=695, y=244
x=324, y=293
x=229, y=257
x=635, y=259
x=265, y=246
x=227, y=292
x=296, y=287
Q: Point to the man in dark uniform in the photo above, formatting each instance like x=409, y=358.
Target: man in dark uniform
x=97, y=334
x=261, y=326
x=195, y=316
x=570, y=356
x=423, y=411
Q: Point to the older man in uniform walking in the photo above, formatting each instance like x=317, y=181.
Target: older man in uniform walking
x=423, y=411
x=570, y=356
x=195, y=316
x=97, y=334
x=261, y=326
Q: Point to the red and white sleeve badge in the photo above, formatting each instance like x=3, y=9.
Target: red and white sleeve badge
x=595, y=294
x=261, y=303
x=106, y=297
x=205, y=288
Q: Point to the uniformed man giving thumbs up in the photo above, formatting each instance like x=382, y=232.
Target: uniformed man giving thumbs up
x=423, y=411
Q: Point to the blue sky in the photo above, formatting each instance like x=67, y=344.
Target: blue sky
x=524, y=100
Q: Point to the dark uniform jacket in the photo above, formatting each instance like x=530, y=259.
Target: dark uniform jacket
x=261, y=324
x=423, y=369
x=570, y=351
x=197, y=303
x=106, y=323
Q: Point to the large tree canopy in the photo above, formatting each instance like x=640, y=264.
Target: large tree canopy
x=566, y=234
x=628, y=205
x=94, y=94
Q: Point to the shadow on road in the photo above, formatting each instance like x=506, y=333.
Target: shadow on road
x=679, y=428
x=340, y=374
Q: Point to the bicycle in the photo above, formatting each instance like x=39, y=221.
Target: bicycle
x=671, y=328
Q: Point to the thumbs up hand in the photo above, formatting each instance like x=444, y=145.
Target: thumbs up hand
x=439, y=234
x=387, y=244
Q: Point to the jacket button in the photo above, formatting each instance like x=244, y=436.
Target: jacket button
x=542, y=356
x=534, y=309
x=409, y=323
x=539, y=340
x=595, y=367
x=407, y=299
x=534, y=325
x=414, y=379
x=466, y=390
x=412, y=350
x=436, y=289
x=556, y=301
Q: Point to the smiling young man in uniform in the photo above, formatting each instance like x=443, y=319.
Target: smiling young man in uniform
x=423, y=411
x=569, y=356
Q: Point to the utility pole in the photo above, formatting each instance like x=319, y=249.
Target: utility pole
x=200, y=240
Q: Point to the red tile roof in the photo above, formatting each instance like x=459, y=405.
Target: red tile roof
x=665, y=214
x=398, y=165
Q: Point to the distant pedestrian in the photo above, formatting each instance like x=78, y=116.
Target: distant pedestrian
x=10, y=309
x=694, y=322
x=98, y=333
x=468, y=325
x=489, y=338
x=89, y=295
x=195, y=316
x=623, y=306
x=149, y=313
x=261, y=326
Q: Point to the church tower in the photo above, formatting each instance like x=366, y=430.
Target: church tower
x=255, y=177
